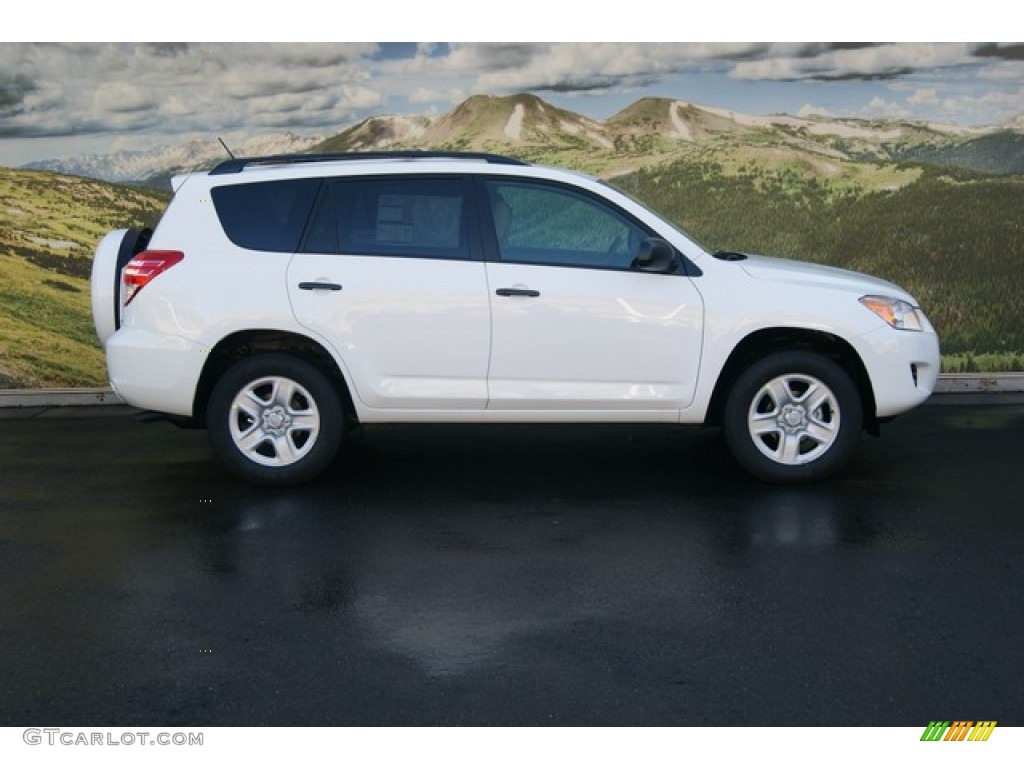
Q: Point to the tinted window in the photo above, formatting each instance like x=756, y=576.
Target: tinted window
x=391, y=217
x=546, y=224
x=267, y=216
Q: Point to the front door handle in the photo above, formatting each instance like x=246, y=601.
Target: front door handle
x=319, y=287
x=518, y=292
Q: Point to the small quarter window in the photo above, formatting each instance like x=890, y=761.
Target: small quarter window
x=265, y=216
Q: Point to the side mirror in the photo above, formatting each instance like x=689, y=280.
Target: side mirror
x=656, y=255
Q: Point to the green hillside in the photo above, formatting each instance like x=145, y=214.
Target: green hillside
x=49, y=226
x=999, y=153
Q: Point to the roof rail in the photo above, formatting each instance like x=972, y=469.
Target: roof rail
x=235, y=165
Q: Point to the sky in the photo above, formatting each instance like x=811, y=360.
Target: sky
x=60, y=100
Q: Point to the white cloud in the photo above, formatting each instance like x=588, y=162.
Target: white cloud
x=924, y=96
x=592, y=66
x=76, y=89
x=174, y=106
x=121, y=97
x=886, y=60
x=429, y=95
x=809, y=110
x=879, y=107
x=358, y=97
x=962, y=108
x=506, y=67
x=1002, y=71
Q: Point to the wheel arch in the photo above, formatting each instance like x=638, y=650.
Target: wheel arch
x=766, y=341
x=244, y=344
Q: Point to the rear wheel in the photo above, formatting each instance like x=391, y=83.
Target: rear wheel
x=275, y=420
x=793, y=417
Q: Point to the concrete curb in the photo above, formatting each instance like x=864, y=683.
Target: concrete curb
x=57, y=397
x=977, y=383
x=949, y=384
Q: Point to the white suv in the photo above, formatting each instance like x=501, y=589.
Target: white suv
x=281, y=299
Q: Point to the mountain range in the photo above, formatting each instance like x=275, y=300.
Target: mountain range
x=164, y=161
x=648, y=131
x=933, y=208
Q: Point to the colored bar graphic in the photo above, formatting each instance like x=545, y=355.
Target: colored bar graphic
x=982, y=730
x=958, y=730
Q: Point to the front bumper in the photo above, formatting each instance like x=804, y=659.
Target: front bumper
x=902, y=366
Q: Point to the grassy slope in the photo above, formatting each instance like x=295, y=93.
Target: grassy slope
x=46, y=334
x=49, y=226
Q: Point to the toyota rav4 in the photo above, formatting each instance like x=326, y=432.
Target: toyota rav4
x=282, y=299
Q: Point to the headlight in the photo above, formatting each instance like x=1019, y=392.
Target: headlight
x=899, y=314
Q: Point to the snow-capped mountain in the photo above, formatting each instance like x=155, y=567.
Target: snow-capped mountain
x=137, y=166
x=377, y=133
x=1015, y=123
x=523, y=119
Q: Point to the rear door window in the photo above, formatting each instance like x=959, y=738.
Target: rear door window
x=406, y=216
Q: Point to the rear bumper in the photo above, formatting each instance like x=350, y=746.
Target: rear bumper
x=155, y=371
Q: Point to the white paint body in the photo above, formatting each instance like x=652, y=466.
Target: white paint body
x=428, y=340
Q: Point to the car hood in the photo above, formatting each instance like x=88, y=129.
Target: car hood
x=819, y=276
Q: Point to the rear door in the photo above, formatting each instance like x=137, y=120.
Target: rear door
x=390, y=272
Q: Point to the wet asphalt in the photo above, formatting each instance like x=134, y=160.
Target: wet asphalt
x=511, y=575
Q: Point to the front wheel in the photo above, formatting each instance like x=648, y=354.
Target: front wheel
x=275, y=420
x=793, y=417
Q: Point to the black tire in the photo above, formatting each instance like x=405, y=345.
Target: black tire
x=275, y=419
x=793, y=417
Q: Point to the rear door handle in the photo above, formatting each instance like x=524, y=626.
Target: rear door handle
x=319, y=287
x=518, y=292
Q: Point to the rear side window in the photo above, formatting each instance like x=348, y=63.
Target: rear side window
x=423, y=217
x=266, y=216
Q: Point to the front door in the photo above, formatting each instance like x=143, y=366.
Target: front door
x=575, y=326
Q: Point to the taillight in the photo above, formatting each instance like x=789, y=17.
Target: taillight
x=143, y=267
